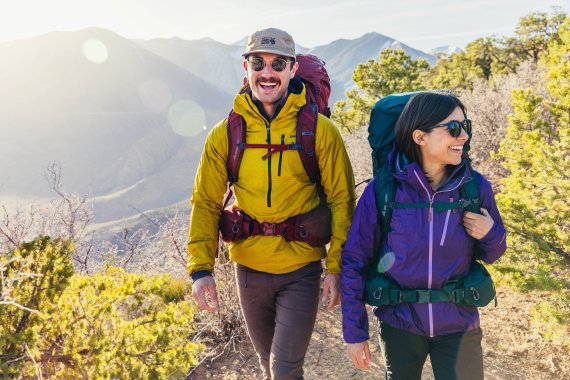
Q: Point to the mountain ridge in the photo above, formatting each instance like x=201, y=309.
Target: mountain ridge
x=106, y=107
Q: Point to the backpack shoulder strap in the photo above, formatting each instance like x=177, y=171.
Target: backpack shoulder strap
x=306, y=136
x=469, y=192
x=236, y=145
x=385, y=194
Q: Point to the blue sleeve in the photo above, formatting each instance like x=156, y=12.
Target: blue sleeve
x=356, y=256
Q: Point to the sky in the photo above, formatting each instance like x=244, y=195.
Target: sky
x=422, y=24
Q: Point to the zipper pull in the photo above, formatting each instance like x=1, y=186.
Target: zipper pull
x=430, y=211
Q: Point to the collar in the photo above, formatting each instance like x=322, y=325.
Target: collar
x=248, y=107
x=412, y=173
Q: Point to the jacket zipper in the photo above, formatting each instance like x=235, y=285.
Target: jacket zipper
x=269, y=184
x=430, y=249
x=445, y=226
x=267, y=124
x=430, y=261
x=280, y=156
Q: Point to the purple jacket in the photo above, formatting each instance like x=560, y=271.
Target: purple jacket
x=419, y=253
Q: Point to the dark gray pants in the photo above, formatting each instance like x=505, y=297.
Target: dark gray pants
x=280, y=312
x=453, y=357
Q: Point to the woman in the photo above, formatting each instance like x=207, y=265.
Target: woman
x=423, y=249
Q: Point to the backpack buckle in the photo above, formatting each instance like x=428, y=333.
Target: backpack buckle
x=457, y=295
x=268, y=229
x=424, y=296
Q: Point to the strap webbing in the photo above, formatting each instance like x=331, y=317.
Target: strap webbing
x=447, y=294
x=274, y=148
x=437, y=206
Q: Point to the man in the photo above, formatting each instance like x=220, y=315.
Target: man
x=278, y=279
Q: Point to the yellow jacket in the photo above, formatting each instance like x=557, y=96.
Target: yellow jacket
x=270, y=190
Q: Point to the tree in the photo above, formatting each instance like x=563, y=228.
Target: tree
x=116, y=324
x=112, y=324
x=489, y=105
x=489, y=56
x=453, y=73
x=535, y=197
x=394, y=71
x=39, y=272
x=535, y=32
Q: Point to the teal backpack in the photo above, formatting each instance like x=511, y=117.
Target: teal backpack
x=476, y=288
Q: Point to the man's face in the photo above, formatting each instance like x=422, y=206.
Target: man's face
x=268, y=85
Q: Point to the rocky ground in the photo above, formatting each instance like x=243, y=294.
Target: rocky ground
x=512, y=349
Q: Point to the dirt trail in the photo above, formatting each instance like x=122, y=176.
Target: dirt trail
x=512, y=350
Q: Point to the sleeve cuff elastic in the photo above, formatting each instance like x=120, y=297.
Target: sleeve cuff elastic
x=199, y=274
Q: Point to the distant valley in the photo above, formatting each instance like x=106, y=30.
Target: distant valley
x=127, y=119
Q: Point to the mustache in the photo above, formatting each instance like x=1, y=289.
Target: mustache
x=268, y=80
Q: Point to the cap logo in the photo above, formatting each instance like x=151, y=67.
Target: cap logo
x=268, y=40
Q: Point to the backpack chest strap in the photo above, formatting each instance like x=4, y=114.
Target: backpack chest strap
x=273, y=148
x=437, y=206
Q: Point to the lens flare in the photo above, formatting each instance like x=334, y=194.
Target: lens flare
x=95, y=51
x=386, y=262
x=187, y=118
x=155, y=95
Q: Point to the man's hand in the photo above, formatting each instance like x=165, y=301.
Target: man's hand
x=477, y=225
x=359, y=353
x=331, y=284
x=199, y=289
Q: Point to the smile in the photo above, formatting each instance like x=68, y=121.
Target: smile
x=268, y=84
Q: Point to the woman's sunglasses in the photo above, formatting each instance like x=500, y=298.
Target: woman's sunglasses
x=454, y=127
x=277, y=64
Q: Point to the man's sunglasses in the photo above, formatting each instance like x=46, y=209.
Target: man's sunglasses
x=454, y=127
x=277, y=64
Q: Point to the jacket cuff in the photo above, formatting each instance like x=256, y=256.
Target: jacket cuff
x=199, y=274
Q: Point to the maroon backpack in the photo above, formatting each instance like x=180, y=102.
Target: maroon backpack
x=312, y=72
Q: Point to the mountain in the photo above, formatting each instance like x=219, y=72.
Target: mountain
x=445, y=51
x=216, y=63
x=126, y=118
x=221, y=64
x=128, y=130
x=342, y=56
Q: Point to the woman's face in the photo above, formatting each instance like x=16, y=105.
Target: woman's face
x=438, y=146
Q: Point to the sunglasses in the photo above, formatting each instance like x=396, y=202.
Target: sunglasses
x=277, y=64
x=454, y=127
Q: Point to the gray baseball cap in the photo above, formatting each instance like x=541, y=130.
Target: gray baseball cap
x=270, y=40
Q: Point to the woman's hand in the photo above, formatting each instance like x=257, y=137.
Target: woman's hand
x=477, y=225
x=359, y=353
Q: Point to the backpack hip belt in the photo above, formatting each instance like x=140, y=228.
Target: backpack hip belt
x=475, y=289
x=313, y=227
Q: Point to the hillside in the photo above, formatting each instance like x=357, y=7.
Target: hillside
x=128, y=130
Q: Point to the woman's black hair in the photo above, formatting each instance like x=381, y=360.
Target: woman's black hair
x=422, y=111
